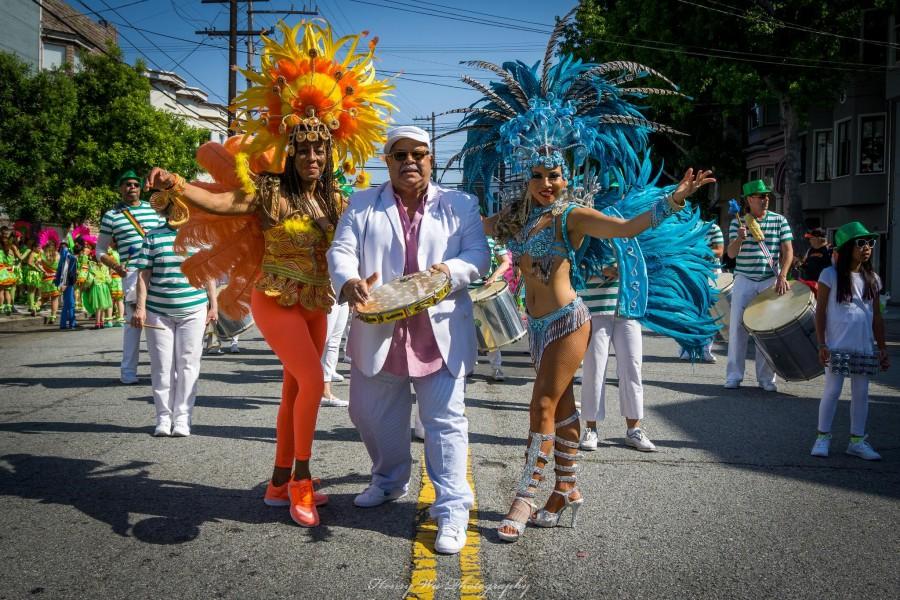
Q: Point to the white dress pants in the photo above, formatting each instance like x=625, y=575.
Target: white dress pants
x=337, y=322
x=743, y=292
x=625, y=336
x=131, y=347
x=380, y=408
x=175, y=352
x=859, y=401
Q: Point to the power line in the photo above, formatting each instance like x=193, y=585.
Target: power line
x=197, y=79
x=735, y=12
x=410, y=8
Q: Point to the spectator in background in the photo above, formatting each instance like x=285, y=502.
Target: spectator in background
x=817, y=258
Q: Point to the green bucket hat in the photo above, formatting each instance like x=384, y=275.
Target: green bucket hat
x=129, y=174
x=757, y=186
x=851, y=231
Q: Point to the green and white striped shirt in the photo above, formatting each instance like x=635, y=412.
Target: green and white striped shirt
x=116, y=225
x=169, y=293
x=601, y=296
x=751, y=262
x=714, y=235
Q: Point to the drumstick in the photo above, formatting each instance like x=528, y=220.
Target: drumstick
x=146, y=325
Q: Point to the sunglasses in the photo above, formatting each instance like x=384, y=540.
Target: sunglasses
x=130, y=184
x=862, y=243
x=417, y=155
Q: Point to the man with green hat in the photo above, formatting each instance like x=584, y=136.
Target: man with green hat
x=760, y=243
x=127, y=224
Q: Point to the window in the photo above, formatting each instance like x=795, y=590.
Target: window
x=823, y=155
x=54, y=55
x=772, y=113
x=802, y=173
x=753, y=175
x=871, y=144
x=842, y=158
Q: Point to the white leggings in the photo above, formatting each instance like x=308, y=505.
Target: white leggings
x=859, y=402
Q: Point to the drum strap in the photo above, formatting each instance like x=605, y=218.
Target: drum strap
x=768, y=256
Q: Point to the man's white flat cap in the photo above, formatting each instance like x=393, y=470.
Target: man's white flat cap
x=406, y=131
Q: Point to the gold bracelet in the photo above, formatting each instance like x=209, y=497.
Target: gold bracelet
x=172, y=195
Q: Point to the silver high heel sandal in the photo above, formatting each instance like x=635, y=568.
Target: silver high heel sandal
x=527, y=485
x=543, y=517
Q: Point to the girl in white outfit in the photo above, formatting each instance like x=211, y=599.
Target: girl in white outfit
x=848, y=325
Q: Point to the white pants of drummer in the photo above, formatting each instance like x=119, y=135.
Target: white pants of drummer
x=743, y=292
x=175, y=351
x=337, y=323
x=625, y=337
x=380, y=408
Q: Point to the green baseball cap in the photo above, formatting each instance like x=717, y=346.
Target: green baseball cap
x=129, y=174
x=851, y=231
x=757, y=186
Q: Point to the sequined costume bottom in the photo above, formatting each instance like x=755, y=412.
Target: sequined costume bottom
x=543, y=331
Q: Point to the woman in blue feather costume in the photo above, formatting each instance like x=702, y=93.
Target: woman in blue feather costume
x=572, y=134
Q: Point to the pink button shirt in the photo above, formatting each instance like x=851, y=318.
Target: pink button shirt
x=414, y=351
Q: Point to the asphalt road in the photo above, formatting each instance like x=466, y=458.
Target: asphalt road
x=733, y=506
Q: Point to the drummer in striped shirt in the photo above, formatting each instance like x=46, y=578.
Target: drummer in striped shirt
x=126, y=225
x=759, y=266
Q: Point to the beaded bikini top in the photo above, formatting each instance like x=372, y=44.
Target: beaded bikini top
x=541, y=244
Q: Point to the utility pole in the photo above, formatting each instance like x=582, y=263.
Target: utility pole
x=233, y=33
x=433, y=145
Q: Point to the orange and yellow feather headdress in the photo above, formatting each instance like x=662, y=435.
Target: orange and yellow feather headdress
x=324, y=86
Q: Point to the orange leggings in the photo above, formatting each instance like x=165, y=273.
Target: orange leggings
x=297, y=336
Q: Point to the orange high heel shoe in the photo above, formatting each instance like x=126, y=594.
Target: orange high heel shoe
x=303, y=505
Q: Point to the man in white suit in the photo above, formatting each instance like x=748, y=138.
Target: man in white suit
x=407, y=225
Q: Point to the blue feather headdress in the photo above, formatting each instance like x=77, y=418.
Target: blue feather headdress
x=574, y=115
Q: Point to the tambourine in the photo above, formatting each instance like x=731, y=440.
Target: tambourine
x=404, y=297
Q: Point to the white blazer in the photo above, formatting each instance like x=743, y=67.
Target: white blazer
x=369, y=239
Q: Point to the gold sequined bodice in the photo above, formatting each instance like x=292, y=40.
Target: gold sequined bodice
x=294, y=265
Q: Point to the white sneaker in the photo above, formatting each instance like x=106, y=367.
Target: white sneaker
x=821, y=446
x=768, y=386
x=708, y=357
x=637, y=440
x=375, y=496
x=234, y=348
x=732, y=384
x=333, y=401
x=683, y=355
x=215, y=350
x=498, y=375
x=863, y=450
x=163, y=429
x=589, y=439
x=451, y=538
x=337, y=377
x=181, y=430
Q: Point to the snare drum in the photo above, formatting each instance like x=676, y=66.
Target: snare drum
x=228, y=328
x=784, y=329
x=497, y=319
x=721, y=310
x=404, y=297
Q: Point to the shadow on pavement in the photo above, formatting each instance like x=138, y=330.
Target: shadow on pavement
x=230, y=402
x=112, y=494
x=773, y=433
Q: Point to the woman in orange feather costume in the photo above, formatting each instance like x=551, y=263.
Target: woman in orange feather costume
x=268, y=219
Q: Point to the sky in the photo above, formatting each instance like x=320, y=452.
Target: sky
x=423, y=40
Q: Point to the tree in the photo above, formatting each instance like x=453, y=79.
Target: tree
x=81, y=132
x=727, y=55
x=36, y=115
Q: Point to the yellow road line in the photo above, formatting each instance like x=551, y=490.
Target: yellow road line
x=423, y=579
x=472, y=584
